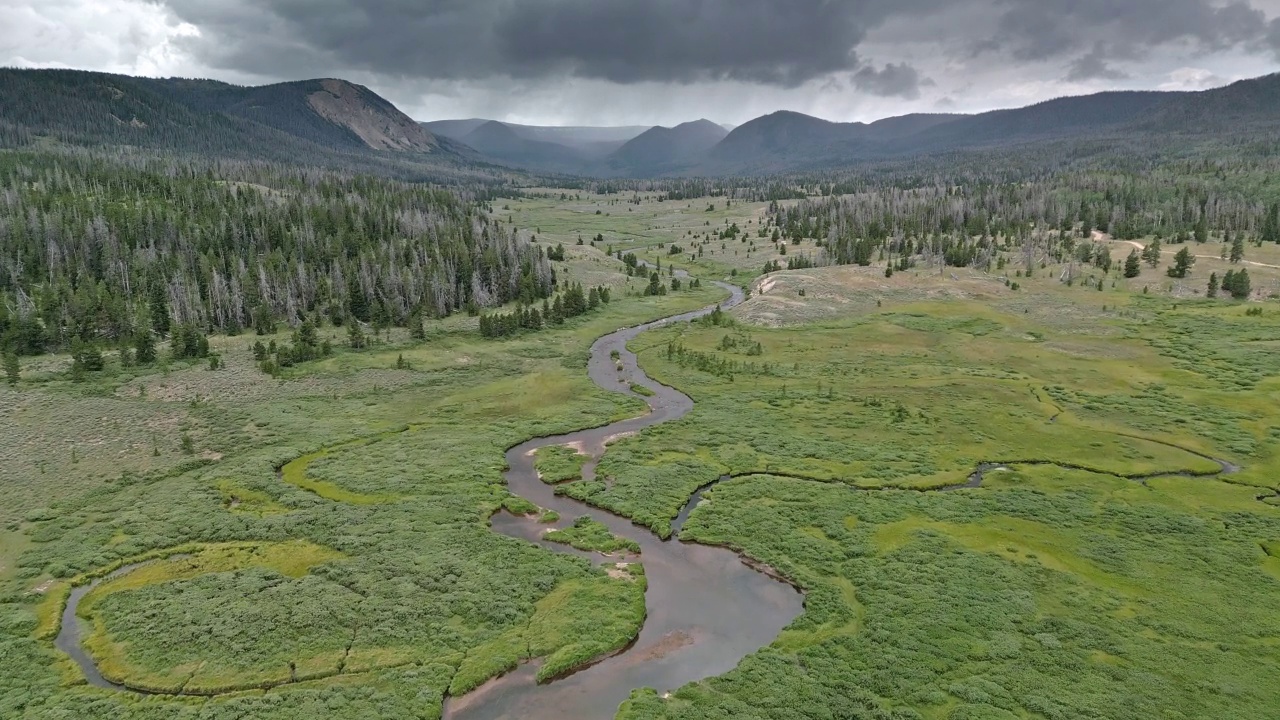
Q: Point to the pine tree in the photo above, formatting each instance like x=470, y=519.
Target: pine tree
x=381, y=317
x=263, y=322
x=575, y=301
x=655, y=285
x=1243, y=287
x=1151, y=253
x=357, y=304
x=307, y=334
x=87, y=358
x=12, y=369
x=1182, y=263
x=1132, y=265
x=159, y=306
x=144, y=347
x=1237, y=249
x=1213, y=285
x=1238, y=284
x=1271, y=224
x=416, y=329
x=355, y=337
x=188, y=342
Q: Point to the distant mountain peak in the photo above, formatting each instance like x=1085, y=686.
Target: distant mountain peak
x=699, y=123
x=494, y=128
x=792, y=115
x=659, y=148
x=503, y=143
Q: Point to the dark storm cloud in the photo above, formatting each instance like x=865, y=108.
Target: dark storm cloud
x=775, y=42
x=770, y=42
x=764, y=41
x=900, y=80
x=673, y=59
x=1093, y=67
x=1273, y=37
x=302, y=38
x=1045, y=29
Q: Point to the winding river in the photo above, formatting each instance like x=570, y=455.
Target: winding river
x=706, y=607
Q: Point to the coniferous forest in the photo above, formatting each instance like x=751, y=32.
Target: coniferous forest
x=97, y=251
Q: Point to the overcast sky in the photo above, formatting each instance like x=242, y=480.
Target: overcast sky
x=564, y=62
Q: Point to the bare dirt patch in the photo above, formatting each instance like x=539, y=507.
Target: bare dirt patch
x=619, y=436
x=832, y=292
x=619, y=571
x=42, y=588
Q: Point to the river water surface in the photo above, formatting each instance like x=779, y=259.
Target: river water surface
x=706, y=609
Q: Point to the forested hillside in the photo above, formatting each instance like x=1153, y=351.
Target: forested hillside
x=1133, y=124
x=332, y=123
x=97, y=251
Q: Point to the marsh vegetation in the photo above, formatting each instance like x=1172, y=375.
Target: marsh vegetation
x=318, y=537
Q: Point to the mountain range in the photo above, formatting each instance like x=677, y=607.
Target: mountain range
x=788, y=141
x=634, y=150
x=330, y=120
x=593, y=141
x=324, y=122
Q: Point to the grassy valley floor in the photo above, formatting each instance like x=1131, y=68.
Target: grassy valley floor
x=1109, y=584
x=323, y=535
x=319, y=541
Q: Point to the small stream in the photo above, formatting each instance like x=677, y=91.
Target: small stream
x=706, y=609
x=69, y=630
x=68, y=639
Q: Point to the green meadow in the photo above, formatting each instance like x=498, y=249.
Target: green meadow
x=317, y=542
x=323, y=534
x=1108, y=583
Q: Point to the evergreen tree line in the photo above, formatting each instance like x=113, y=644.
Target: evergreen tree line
x=571, y=303
x=1237, y=161
x=714, y=364
x=1050, y=220
x=1126, y=209
x=96, y=251
x=798, y=262
x=1236, y=284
